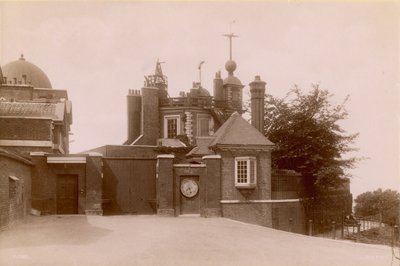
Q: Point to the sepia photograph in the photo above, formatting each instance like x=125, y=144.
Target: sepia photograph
x=200, y=133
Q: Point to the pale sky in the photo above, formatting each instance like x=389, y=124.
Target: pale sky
x=97, y=51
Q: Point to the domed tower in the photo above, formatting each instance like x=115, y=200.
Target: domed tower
x=232, y=87
x=24, y=72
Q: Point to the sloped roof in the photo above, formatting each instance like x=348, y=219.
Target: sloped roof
x=237, y=131
x=202, y=147
x=54, y=111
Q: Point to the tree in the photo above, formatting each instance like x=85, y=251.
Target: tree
x=305, y=129
x=383, y=204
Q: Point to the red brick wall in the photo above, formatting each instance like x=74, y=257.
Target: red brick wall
x=94, y=188
x=263, y=188
x=255, y=213
x=198, y=173
x=25, y=129
x=151, y=118
x=14, y=207
x=44, y=184
x=288, y=216
x=165, y=186
x=212, y=185
x=286, y=184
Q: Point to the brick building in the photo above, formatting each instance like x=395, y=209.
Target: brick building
x=192, y=154
x=33, y=118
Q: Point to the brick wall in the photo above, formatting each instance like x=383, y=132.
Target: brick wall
x=25, y=129
x=94, y=186
x=15, y=195
x=197, y=173
x=288, y=216
x=165, y=185
x=151, y=118
x=44, y=185
x=139, y=152
x=212, y=185
x=286, y=184
x=263, y=188
x=252, y=212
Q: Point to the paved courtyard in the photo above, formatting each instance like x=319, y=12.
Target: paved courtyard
x=152, y=240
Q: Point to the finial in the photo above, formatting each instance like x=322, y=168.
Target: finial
x=230, y=36
x=22, y=57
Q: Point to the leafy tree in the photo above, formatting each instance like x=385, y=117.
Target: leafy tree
x=305, y=129
x=382, y=204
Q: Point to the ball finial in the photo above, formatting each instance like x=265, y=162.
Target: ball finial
x=230, y=66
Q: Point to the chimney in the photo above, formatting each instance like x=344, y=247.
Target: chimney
x=218, y=88
x=257, y=91
x=134, y=107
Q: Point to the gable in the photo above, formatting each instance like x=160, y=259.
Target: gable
x=237, y=131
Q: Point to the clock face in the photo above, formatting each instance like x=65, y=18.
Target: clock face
x=189, y=188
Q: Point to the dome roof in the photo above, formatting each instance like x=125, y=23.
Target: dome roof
x=24, y=72
x=232, y=80
x=203, y=92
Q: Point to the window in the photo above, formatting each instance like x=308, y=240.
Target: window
x=203, y=126
x=171, y=126
x=245, y=172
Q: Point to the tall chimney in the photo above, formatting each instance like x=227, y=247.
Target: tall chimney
x=134, y=102
x=218, y=89
x=257, y=91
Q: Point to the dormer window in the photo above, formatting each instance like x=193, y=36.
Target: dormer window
x=172, y=126
x=245, y=172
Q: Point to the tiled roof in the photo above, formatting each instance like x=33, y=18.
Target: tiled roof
x=43, y=110
x=202, y=147
x=237, y=131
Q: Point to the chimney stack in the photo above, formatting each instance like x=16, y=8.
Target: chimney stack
x=257, y=91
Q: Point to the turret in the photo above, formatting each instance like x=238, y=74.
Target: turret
x=257, y=91
x=232, y=85
x=158, y=80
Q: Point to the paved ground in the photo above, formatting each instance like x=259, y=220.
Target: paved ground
x=152, y=240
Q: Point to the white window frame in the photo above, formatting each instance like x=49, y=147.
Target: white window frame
x=250, y=182
x=178, y=124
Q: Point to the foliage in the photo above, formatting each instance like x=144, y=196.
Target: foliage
x=305, y=129
x=384, y=204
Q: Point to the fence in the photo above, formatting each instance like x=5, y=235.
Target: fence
x=360, y=229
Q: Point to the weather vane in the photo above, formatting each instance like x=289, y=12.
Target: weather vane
x=201, y=63
x=230, y=36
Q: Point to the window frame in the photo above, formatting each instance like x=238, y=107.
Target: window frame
x=203, y=117
x=251, y=182
x=178, y=124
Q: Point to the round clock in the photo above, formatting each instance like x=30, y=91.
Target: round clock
x=189, y=188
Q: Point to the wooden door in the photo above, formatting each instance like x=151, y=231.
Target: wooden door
x=67, y=194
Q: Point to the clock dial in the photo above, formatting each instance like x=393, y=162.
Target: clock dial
x=189, y=188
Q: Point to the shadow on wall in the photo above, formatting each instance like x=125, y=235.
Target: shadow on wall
x=54, y=230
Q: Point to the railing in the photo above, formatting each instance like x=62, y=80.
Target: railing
x=202, y=101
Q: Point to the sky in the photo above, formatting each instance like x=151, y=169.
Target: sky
x=98, y=51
